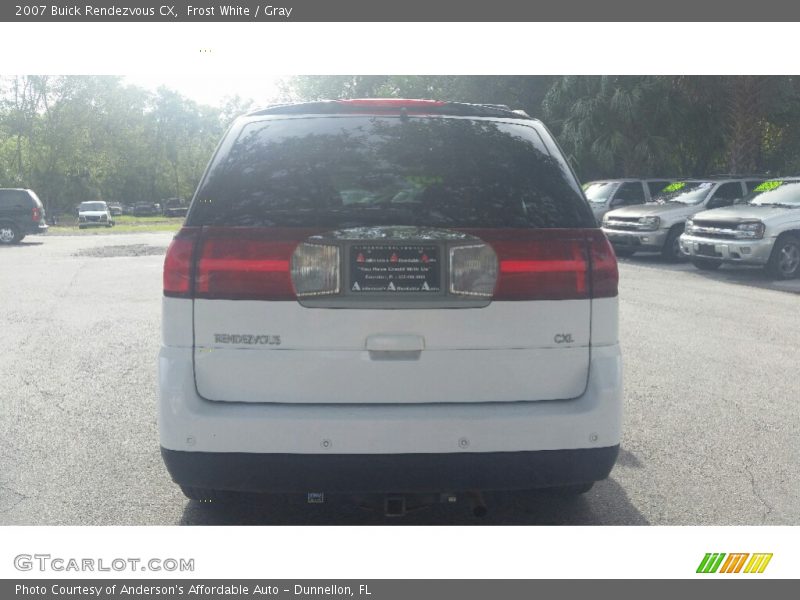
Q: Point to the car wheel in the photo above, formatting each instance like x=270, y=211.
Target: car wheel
x=784, y=261
x=672, y=247
x=9, y=234
x=624, y=252
x=706, y=265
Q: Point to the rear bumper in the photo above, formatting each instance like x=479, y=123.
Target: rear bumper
x=444, y=447
x=386, y=473
x=36, y=228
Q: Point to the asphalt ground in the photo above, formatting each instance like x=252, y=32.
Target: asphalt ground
x=711, y=401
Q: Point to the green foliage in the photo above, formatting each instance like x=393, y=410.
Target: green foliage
x=77, y=138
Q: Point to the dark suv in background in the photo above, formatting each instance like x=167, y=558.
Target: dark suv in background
x=21, y=214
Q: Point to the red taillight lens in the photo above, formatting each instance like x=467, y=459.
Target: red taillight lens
x=605, y=275
x=37, y=214
x=241, y=269
x=178, y=264
x=552, y=264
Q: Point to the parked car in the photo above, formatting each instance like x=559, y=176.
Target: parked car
x=21, y=214
x=94, y=214
x=146, y=209
x=115, y=210
x=609, y=194
x=764, y=230
x=175, y=207
x=658, y=225
x=389, y=296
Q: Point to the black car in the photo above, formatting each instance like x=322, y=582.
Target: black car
x=146, y=209
x=175, y=207
x=21, y=214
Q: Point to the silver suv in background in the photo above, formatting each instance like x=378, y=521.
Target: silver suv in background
x=94, y=214
x=608, y=194
x=658, y=225
x=764, y=230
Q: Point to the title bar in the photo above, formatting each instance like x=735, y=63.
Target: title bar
x=404, y=11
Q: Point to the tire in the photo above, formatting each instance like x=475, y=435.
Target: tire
x=784, y=261
x=9, y=234
x=624, y=252
x=671, y=251
x=204, y=496
x=705, y=264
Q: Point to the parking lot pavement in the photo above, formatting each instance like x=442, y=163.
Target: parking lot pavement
x=711, y=390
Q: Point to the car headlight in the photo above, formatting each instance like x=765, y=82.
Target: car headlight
x=649, y=223
x=750, y=231
x=689, y=226
x=103, y=217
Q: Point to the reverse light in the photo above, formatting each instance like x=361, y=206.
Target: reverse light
x=315, y=270
x=473, y=270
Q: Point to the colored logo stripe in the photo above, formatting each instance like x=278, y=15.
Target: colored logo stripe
x=710, y=562
x=733, y=564
x=758, y=563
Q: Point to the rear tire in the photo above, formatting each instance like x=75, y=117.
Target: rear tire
x=705, y=264
x=672, y=247
x=9, y=234
x=784, y=261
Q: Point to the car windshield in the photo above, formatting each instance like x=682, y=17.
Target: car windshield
x=599, y=191
x=685, y=192
x=89, y=206
x=776, y=193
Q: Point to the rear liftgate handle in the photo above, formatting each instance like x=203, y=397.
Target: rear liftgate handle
x=395, y=347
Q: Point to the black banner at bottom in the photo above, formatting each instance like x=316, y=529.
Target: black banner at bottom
x=389, y=589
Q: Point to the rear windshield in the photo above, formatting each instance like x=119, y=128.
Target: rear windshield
x=357, y=171
x=16, y=198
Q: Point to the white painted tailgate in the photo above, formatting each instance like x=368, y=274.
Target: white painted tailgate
x=504, y=352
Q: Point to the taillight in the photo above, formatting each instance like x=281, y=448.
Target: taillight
x=473, y=270
x=551, y=264
x=605, y=274
x=315, y=270
x=178, y=264
x=37, y=214
x=242, y=269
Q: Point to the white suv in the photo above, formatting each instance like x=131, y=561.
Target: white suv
x=389, y=296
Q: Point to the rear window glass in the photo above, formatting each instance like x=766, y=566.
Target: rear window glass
x=341, y=172
x=15, y=199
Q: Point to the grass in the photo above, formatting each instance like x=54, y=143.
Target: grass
x=123, y=224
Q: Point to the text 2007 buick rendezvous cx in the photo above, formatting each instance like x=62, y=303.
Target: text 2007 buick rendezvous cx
x=389, y=296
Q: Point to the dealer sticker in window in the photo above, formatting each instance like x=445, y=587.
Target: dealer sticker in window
x=395, y=268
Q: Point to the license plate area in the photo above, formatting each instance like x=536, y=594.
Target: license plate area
x=707, y=250
x=394, y=269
